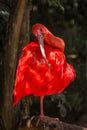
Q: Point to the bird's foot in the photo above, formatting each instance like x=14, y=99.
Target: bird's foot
x=46, y=119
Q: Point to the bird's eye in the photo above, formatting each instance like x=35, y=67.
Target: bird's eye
x=41, y=29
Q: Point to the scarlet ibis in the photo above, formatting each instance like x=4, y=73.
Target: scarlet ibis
x=42, y=68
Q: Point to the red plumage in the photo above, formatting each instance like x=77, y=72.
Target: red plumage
x=34, y=76
x=42, y=69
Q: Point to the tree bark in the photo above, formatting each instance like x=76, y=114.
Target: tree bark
x=24, y=39
x=25, y=30
x=10, y=58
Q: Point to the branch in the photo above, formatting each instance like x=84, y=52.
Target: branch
x=52, y=125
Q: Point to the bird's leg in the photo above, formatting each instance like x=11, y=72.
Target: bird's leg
x=42, y=116
x=41, y=110
x=41, y=106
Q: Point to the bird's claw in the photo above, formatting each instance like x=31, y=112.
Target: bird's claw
x=46, y=119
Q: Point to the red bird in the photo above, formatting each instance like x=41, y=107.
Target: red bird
x=42, y=68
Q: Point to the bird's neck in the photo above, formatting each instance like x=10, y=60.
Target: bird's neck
x=55, y=41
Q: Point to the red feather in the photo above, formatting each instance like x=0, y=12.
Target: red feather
x=33, y=75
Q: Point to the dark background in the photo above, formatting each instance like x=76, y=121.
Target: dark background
x=68, y=20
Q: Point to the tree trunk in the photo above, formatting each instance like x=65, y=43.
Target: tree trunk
x=10, y=58
x=25, y=30
x=24, y=39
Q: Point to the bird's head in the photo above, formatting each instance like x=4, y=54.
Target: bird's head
x=43, y=34
x=39, y=29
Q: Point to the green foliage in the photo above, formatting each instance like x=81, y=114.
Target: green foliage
x=61, y=103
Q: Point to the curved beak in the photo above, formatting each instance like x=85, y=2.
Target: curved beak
x=41, y=43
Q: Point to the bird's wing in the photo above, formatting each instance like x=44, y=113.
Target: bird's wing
x=22, y=75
